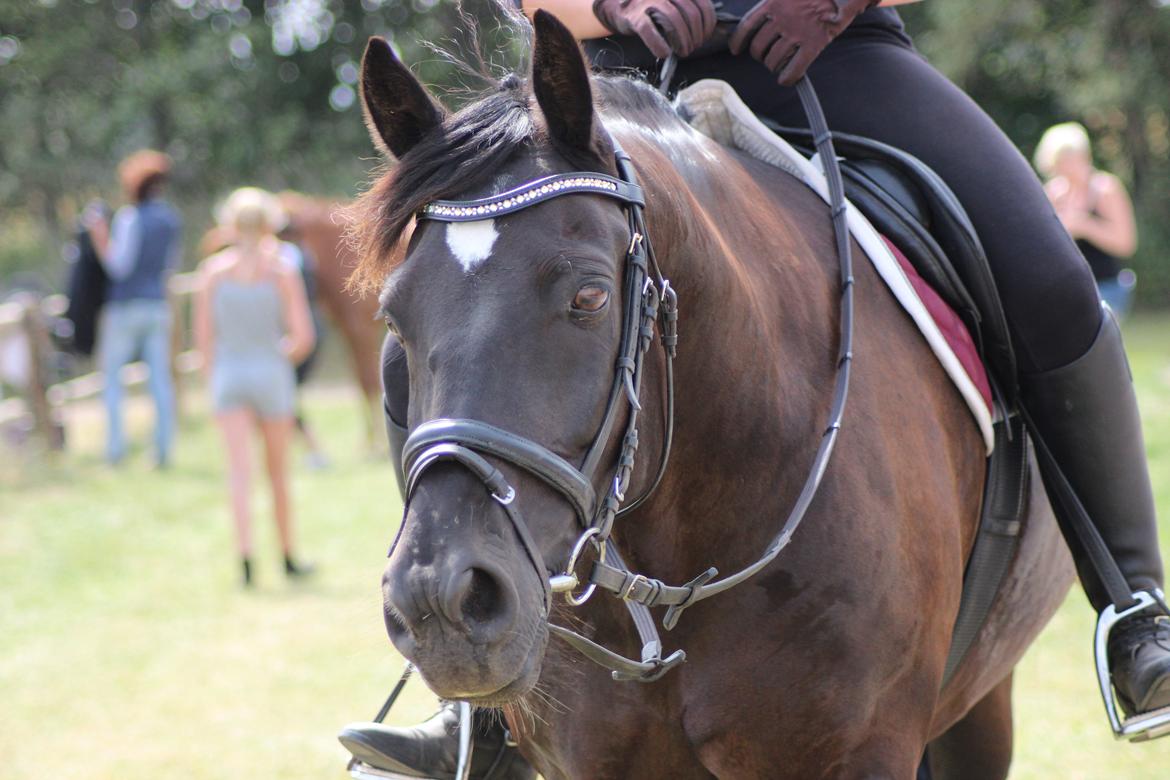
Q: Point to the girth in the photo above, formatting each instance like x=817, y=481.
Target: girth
x=650, y=305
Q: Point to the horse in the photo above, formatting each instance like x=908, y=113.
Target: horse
x=319, y=225
x=827, y=663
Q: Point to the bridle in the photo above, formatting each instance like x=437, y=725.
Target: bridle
x=650, y=302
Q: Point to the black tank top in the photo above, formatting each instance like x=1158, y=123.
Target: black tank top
x=1105, y=266
x=619, y=52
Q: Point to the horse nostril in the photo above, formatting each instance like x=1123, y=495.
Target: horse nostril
x=483, y=598
x=478, y=601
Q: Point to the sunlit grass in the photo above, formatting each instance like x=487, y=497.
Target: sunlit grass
x=128, y=651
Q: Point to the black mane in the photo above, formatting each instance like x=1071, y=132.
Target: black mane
x=468, y=149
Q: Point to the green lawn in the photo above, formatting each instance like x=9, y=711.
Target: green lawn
x=127, y=649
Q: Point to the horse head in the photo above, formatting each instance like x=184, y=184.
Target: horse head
x=513, y=322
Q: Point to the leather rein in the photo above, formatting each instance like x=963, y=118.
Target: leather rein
x=650, y=303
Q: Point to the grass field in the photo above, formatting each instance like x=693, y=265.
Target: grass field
x=128, y=651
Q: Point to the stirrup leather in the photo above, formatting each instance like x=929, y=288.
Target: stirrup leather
x=1143, y=726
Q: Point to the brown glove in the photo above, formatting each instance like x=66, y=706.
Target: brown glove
x=665, y=26
x=787, y=35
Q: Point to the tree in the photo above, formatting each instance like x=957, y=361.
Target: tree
x=1032, y=63
x=236, y=92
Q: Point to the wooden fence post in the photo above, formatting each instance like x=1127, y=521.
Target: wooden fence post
x=178, y=328
x=30, y=316
x=40, y=349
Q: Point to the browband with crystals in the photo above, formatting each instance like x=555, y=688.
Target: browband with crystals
x=531, y=193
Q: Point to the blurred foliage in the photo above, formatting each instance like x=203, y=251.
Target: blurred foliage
x=1104, y=63
x=237, y=92
x=264, y=92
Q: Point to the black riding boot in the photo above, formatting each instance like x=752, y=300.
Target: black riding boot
x=1087, y=413
x=431, y=749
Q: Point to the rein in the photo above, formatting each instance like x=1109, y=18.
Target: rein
x=650, y=303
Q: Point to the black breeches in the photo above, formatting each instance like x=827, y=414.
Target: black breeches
x=883, y=89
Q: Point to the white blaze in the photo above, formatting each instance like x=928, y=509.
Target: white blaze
x=471, y=242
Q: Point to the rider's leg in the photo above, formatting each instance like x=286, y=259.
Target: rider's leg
x=430, y=749
x=1074, y=377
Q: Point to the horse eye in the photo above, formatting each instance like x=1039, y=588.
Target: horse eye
x=591, y=299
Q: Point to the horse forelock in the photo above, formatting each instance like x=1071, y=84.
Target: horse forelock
x=464, y=152
x=471, y=146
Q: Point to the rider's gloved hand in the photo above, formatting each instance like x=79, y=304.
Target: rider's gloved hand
x=787, y=35
x=665, y=26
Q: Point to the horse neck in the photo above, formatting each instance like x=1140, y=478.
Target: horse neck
x=754, y=371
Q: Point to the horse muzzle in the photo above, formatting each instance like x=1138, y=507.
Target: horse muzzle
x=462, y=600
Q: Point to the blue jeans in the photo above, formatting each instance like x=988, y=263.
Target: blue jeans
x=129, y=331
x=1118, y=292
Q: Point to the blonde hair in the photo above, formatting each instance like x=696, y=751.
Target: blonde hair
x=252, y=210
x=1065, y=137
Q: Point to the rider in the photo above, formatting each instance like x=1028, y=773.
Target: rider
x=1074, y=378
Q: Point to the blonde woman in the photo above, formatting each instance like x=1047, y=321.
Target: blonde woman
x=1094, y=208
x=252, y=325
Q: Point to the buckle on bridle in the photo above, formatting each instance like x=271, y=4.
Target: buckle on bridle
x=618, y=490
x=635, y=243
x=628, y=589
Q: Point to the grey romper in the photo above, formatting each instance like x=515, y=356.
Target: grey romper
x=250, y=370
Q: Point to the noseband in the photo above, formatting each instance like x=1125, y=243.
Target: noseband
x=650, y=303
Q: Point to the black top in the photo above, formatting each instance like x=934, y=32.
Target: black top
x=1105, y=266
x=621, y=52
x=87, y=285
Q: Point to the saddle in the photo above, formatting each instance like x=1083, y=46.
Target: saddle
x=913, y=207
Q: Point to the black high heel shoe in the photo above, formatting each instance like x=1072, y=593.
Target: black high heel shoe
x=297, y=570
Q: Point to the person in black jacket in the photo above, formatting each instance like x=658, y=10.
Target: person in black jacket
x=87, y=283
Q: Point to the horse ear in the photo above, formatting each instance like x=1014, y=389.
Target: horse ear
x=560, y=81
x=398, y=110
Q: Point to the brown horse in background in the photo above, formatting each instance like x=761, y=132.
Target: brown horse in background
x=319, y=226
x=829, y=662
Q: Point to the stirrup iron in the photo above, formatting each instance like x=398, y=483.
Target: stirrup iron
x=1145, y=725
x=359, y=770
